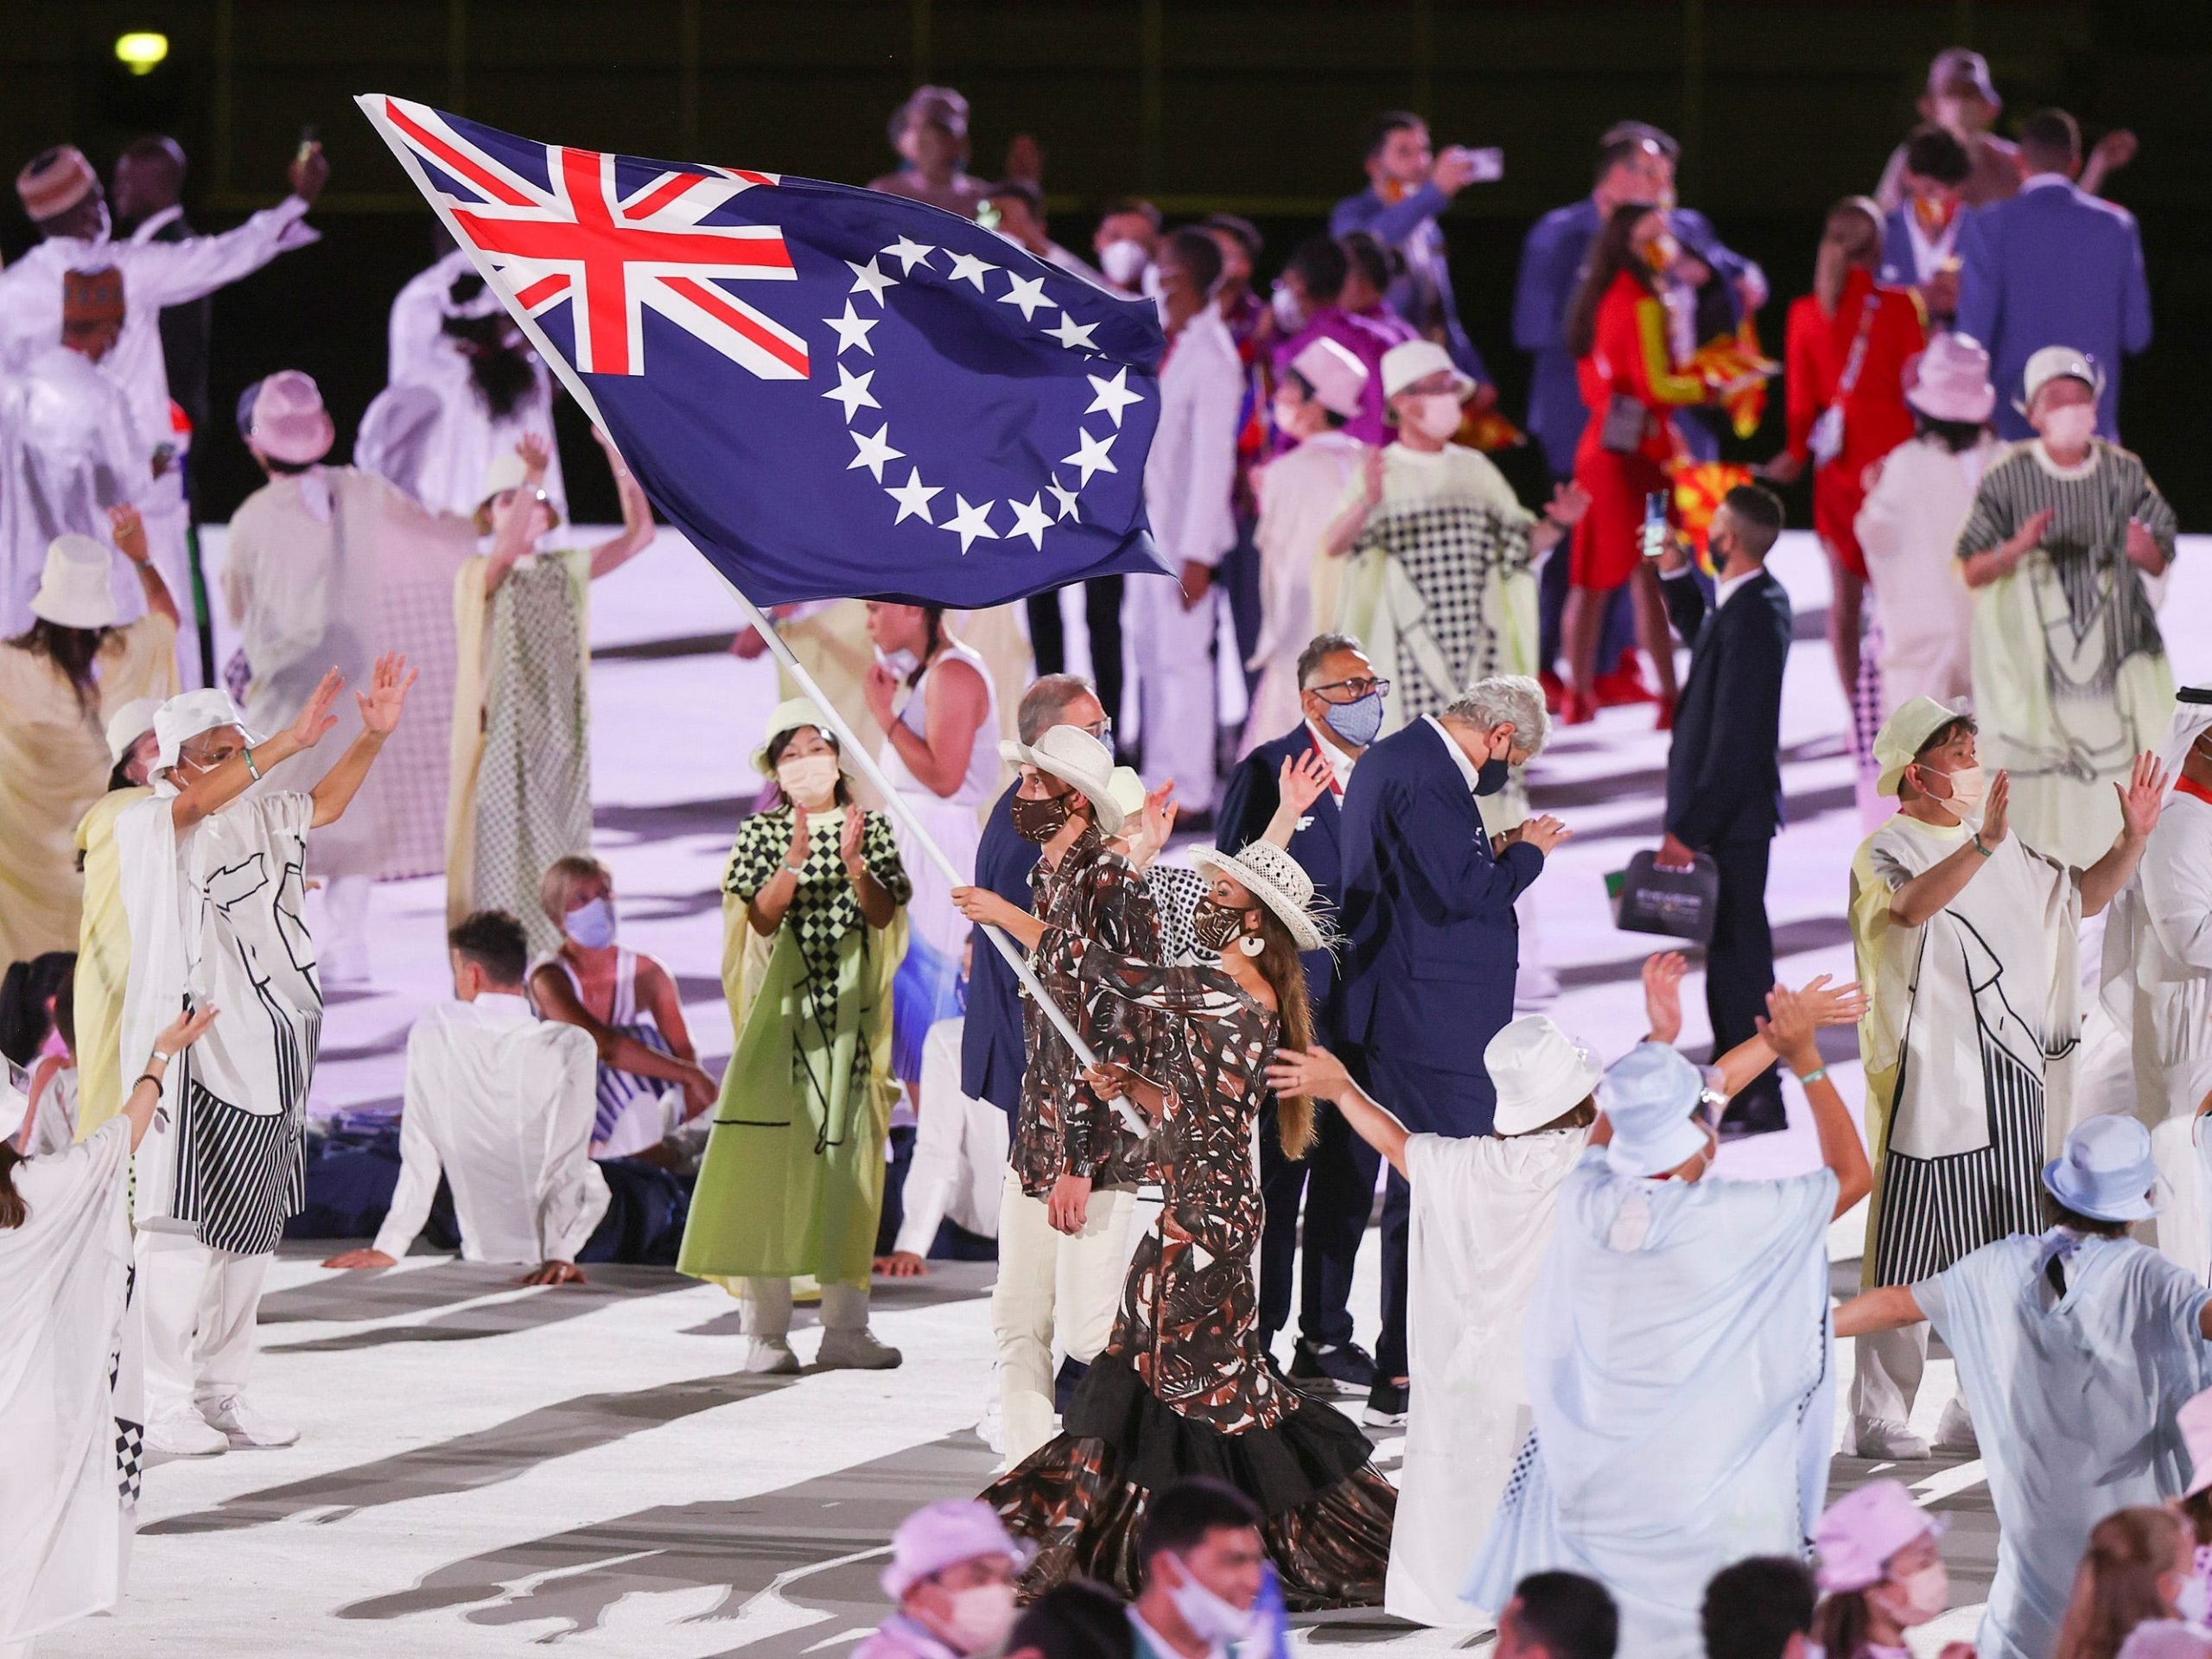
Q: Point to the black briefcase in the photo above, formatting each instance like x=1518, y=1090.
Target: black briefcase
x=1678, y=903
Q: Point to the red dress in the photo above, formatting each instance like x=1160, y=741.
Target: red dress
x=1629, y=356
x=1875, y=417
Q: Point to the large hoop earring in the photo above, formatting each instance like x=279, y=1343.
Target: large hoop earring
x=1252, y=944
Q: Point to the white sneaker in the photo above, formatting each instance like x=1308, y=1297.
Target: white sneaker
x=245, y=1425
x=770, y=1357
x=1955, y=1431
x=855, y=1350
x=180, y=1432
x=1890, y=1441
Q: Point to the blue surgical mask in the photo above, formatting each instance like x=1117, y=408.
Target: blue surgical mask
x=591, y=925
x=1492, y=777
x=1356, y=721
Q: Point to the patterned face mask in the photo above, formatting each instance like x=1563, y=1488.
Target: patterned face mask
x=1039, y=821
x=1214, y=926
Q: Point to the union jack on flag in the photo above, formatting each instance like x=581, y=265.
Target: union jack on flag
x=833, y=393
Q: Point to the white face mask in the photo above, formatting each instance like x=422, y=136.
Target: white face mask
x=591, y=925
x=2069, y=428
x=2193, y=1601
x=1918, y=1597
x=1968, y=785
x=902, y=662
x=1123, y=262
x=1433, y=415
x=809, y=779
x=981, y=1620
x=1210, y=1617
x=1290, y=317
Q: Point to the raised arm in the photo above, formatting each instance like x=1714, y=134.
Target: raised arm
x=213, y=789
x=1788, y=1027
x=515, y=537
x=130, y=540
x=1321, y=1075
x=1837, y=1005
x=637, y=533
x=380, y=706
x=1302, y=781
x=956, y=700
x=1913, y=904
x=2140, y=801
x=1891, y=1309
x=145, y=1095
x=1342, y=533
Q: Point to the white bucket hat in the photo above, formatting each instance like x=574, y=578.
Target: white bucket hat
x=1410, y=360
x=1074, y=756
x=72, y=589
x=2105, y=1171
x=1337, y=377
x=184, y=716
x=2058, y=363
x=508, y=472
x=1904, y=734
x=1540, y=1073
x=789, y=716
x=128, y=724
x=1277, y=881
x=1650, y=1096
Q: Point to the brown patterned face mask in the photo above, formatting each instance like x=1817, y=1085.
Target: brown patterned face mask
x=1039, y=821
x=1215, y=925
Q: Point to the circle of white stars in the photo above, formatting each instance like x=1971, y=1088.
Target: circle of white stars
x=1055, y=502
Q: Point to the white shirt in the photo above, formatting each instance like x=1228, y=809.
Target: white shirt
x=1722, y=590
x=1468, y=770
x=2044, y=182
x=959, y=1150
x=154, y=274
x=1159, y=1643
x=1340, y=764
x=502, y=1104
x=1191, y=469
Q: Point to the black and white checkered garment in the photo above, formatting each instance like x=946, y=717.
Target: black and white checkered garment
x=1450, y=551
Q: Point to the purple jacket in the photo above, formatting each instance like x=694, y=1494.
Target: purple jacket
x=1365, y=338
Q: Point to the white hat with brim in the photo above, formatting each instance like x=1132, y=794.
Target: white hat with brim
x=128, y=724
x=72, y=589
x=1904, y=734
x=2058, y=363
x=1650, y=1097
x=1411, y=361
x=509, y=472
x=943, y=1535
x=2106, y=1170
x=2192, y=717
x=186, y=715
x=1540, y=1073
x=1339, y=378
x=1074, y=756
x=1277, y=881
x=788, y=717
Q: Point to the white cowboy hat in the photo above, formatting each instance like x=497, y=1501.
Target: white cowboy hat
x=789, y=716
x=72, y=589
x=1074, y=756
x=1541, y=1073
x=1277, y=881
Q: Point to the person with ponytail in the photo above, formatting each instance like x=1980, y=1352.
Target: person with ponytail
x=1848, y=347
x=2125, y=1592
x=71, y=1370
x=1880, y=1575
x=1184, y=1386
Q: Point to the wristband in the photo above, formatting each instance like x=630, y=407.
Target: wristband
x=146, y=1077
x=1808, y=1078
x=795, y=869
x=253, y=769
x=1985, y=850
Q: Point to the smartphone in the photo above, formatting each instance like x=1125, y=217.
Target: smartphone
x=1654, y=525
x=309, y=137
x=1490, y=164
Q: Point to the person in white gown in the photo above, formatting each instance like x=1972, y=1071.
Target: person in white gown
x=1676, y=1352
x=2078, y=1348
x=499, y=1105
x=213, y=881
x=1300, y=493
x=70, y=1383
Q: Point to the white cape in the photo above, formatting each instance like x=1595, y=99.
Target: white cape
x=1679, y=1381
x=70, y=1389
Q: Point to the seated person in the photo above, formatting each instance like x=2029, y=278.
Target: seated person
x=501, y=1104
x=958, y=1166
x=628, y=1002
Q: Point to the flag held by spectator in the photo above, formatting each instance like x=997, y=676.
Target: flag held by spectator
x=831, y=391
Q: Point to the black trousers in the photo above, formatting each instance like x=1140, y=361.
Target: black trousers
x=1335, y=1179
x=1739, y=971
x=1101, y=613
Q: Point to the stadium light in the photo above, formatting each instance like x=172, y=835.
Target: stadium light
x=141, y=51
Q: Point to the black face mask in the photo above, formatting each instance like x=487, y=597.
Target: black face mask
x=1214, y=926
x=1492, y=776
x=1039, y=821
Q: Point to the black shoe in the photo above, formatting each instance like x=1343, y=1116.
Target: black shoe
x=1072, y=1372
x=1331, y=1367
x=1386, y=1404
x=1752, y=1114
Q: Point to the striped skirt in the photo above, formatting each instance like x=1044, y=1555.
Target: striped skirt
x=1935, y=1210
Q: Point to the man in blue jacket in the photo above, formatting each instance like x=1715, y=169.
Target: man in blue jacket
x=1433, y=946
x=2053, y=264
x=1342, y=703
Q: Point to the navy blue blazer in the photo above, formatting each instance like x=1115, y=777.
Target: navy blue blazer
x=1899, y=267
x=992, y=1049
x=1724, y=773
x=1247, y=805
x=1432, y=944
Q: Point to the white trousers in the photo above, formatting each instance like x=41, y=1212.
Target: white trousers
x=765, y=1306
x=200, y=1320
x=1175, y=685
x=1052, y=1284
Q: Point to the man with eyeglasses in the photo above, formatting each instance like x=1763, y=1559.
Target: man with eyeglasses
x=1342, y=702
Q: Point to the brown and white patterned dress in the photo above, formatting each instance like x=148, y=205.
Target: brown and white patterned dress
x=1185, y=1386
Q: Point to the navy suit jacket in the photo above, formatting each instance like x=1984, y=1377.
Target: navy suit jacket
x=1248, y=802
x=1432, y=944
x=992, y=1049
x=1724, y=773
x=1551, y=265
x=1900, y=269
x=2053, y=266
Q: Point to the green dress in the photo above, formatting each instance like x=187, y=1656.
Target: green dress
x=792, y=1183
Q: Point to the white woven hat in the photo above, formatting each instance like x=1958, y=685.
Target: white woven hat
x=184, y=716
x=1277, y=881
x=1540, y=1073
x=72, y=589
x=789, y=716
x=1410, y=360
x=1074, y=756
x=128, y=724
